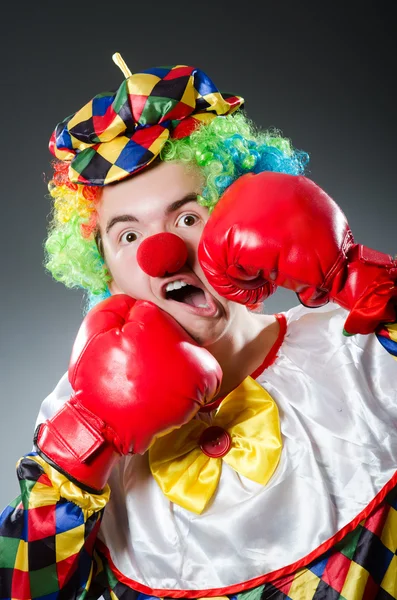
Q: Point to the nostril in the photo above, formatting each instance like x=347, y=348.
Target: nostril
x=161, y=254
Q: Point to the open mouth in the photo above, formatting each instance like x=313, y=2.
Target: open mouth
x=187, y=294
x=193, y=298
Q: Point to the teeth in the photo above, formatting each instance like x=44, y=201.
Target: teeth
x=175, y=285
x=203, y=306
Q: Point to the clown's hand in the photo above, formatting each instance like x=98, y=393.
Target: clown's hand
x=136, y=374
x=274, y=229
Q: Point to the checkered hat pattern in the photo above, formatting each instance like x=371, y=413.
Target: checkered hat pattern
x=119, y=133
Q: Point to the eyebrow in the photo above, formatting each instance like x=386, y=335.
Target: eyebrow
x=192, y=197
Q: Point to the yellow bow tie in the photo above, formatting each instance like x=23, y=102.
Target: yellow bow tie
x=245, y=433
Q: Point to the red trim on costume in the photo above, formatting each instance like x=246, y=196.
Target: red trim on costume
x=272, y=354
x=273, y=575
x=257, y=581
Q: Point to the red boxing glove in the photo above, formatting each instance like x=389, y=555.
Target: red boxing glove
x=136, y=374
x=275, y=229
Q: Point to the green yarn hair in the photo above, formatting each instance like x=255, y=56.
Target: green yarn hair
x=226, y=148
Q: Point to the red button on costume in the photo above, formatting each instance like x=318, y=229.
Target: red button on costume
x=215, y=442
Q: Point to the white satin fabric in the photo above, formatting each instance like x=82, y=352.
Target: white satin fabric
x=337, y=399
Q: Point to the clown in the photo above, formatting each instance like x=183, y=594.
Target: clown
x=197, y=447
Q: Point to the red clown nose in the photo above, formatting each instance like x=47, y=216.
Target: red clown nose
x=162, y=253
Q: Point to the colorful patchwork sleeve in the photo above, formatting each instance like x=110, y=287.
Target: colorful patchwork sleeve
x=47, y=537
x=387, y=335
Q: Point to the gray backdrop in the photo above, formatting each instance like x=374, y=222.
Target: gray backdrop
x=321, y=72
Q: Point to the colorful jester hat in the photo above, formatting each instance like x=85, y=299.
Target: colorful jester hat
x=119, y=133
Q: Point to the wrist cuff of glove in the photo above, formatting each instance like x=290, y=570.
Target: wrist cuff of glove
x=368, y=256
x=73, y=442
x=369, y=290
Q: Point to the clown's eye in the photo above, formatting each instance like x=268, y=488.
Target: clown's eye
x=128, y=237
x=187, y=220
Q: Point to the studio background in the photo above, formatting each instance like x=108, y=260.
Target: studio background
x=323, y=73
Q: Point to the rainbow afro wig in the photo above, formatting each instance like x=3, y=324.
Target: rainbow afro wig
x=167, y=114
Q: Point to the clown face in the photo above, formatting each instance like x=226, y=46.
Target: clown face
x=163, y=199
